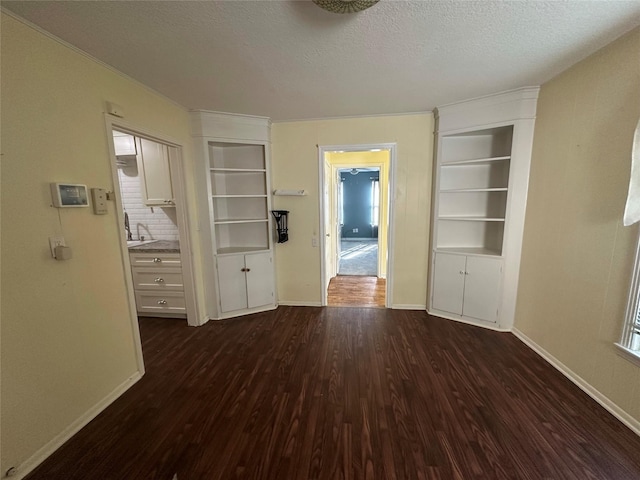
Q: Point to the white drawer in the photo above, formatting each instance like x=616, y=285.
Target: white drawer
x=158, y=260
x=159, y=279
x=160, y=302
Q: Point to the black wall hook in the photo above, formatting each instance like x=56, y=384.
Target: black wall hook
x=281, y=224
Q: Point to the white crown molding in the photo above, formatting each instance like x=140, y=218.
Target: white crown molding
x=349, y=117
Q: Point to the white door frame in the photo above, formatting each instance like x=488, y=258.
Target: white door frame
x=178, y=182
x=322, y=150
x=337, y=169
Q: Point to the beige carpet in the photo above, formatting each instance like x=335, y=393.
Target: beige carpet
x=358, y=256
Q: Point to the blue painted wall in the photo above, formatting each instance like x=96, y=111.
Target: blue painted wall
x=356, y=191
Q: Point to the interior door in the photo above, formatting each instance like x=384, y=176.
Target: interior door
x=328, y=249
x=259, y=271
x=232, y=282
x=448, y=282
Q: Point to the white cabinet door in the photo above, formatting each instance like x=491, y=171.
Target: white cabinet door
x=259, y=279
x=232, y=283
x=482, y=288
x=124, y=144
x=155, y=174
x=448, y=282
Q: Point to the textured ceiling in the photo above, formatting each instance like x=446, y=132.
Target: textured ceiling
x=292, y=60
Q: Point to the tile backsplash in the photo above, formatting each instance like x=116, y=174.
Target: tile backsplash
x=154, y=223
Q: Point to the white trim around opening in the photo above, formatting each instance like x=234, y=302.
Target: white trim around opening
x=322, y=150
x=193, y=318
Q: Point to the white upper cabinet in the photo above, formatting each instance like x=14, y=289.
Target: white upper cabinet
x=124, y=143
x=155, y=173
x=481, y=172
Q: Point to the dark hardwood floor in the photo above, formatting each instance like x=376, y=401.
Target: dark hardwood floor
x=360, y=291
x=345, y=393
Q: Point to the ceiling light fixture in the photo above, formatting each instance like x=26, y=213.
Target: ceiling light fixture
x=345, y=6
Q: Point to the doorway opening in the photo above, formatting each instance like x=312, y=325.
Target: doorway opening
x=358, y=220
x=356, y=185
x=151, y=209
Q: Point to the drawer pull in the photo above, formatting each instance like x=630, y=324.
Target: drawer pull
x=159, y=280
x=157, y=260
x=162, y=302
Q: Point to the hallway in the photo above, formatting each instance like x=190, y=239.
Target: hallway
x=356, y=291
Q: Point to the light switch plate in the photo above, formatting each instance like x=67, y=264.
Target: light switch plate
x=99, y=201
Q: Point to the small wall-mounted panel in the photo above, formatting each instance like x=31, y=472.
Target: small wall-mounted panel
x=66, y=195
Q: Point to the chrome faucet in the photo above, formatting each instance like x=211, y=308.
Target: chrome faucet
x=127, y=227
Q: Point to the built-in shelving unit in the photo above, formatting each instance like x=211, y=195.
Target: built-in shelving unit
x=238, y=178
x=483, y=151
x=234, y=153
x=473, y=189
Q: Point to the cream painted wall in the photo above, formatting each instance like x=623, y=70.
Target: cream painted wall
x=577, y=256
x=295, y=165
x=67, y=338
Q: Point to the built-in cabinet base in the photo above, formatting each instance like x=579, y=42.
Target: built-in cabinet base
x=246, y=281
x=467, y=286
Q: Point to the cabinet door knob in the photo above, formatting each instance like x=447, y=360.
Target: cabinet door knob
x=461, y=272
x=162, y=302
x=157, y=260
x=243, y=269
x=159, y=280
x=247, y=269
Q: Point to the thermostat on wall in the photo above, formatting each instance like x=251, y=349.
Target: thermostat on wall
x=69, y=195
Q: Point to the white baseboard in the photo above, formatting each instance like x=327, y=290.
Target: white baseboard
x=42, y=454
x=407, y=306
x=295, y=303
x=585, y=386
x=476, y=323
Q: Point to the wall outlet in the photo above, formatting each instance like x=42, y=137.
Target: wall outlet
x=57, y=241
